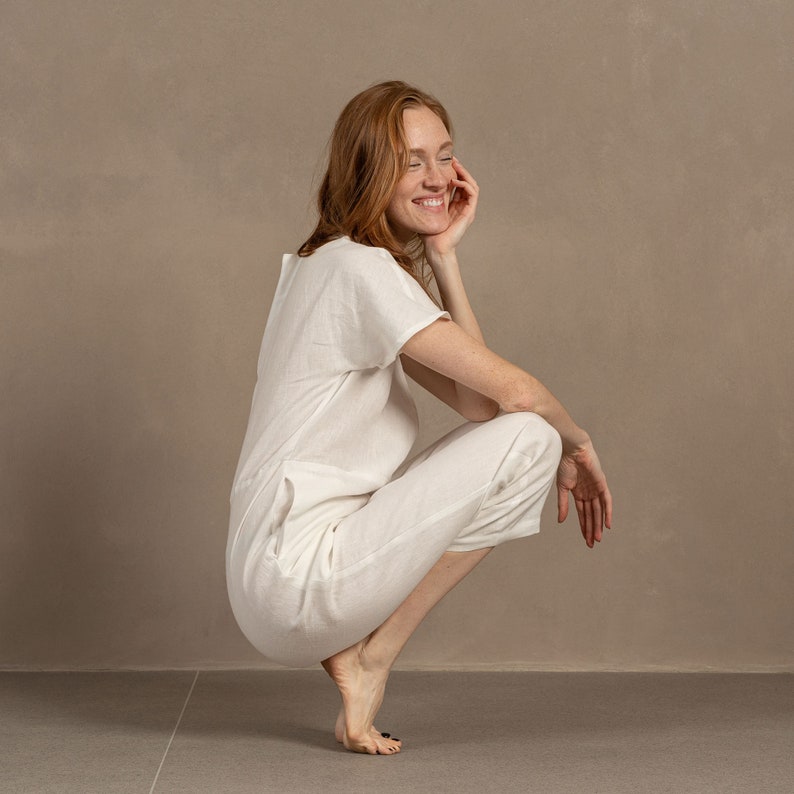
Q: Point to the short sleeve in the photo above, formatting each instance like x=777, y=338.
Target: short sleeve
x=390, y=307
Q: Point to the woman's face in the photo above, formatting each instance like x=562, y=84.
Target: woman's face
x=420, y=202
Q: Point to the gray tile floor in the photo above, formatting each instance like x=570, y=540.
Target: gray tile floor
x=269, y=731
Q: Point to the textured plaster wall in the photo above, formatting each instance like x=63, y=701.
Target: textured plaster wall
x=634, y=250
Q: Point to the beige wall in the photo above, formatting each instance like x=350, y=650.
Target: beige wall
x=634, y=250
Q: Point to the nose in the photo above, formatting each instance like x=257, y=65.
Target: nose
x=434, y=176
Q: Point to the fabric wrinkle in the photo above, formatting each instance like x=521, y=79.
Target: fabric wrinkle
x=331, y=526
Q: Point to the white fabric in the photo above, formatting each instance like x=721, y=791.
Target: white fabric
x=331, y=417
x=326, y=537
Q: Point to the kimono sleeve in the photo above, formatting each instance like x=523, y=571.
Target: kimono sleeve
x=390, y=307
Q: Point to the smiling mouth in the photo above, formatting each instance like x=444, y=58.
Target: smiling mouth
x=435, y=202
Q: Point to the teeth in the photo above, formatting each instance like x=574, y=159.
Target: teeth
x=432, y=203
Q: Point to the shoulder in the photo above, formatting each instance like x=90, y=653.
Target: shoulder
x=345, y=261
x=343, y=252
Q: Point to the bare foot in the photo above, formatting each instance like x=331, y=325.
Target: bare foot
x=339, y=729
x=362, y=685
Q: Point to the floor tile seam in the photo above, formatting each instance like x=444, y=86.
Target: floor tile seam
x=173, y=733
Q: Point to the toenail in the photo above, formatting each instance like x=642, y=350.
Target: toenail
x=386, y=735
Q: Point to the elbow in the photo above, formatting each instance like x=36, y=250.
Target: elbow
x=482, y=411
x=478, y=410
x=521, y=398
x=519, y=405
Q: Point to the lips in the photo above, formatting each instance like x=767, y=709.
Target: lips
x=430, y=201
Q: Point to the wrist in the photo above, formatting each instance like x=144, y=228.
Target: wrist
x=441, y=259
x=575, y=442
x=446, y=272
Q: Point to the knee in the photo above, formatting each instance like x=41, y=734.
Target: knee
x=537, y=439
x=552, y=446
x=550, y=438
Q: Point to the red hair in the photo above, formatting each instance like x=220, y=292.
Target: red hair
x=368, y=154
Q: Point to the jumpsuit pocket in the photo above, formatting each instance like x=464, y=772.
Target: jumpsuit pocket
x=310, y=500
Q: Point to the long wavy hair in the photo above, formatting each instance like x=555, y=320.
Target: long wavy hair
x=368, y=154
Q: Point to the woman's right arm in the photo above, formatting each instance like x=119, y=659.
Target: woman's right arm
x=445, y=347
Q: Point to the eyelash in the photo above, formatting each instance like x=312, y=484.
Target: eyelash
x=443, y=160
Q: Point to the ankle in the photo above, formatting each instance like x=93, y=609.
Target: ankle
x=375, y=657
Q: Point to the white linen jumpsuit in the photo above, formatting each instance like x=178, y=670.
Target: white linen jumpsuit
x=330, y=527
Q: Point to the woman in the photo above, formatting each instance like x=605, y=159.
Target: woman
x=338, y=548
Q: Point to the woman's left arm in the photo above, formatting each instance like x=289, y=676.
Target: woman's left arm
x=467, y=402
x=441, y=253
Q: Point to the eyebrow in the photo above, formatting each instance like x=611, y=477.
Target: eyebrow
x=447, y=145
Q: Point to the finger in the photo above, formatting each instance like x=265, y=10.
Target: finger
x=582, y=519
x=607, y=498
x=562, y=505
x=460, y=168
x=471, y=191
x=464, y=191
x=588, y=515
x=598, y=521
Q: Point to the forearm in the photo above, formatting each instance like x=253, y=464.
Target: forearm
x=453, y=294
x=531, y=395
x=447, y=349
x=455, y=301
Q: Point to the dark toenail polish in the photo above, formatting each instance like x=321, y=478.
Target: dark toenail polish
x=386, y=735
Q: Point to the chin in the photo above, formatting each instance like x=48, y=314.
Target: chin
x=407, y=233
x=437, y=228
x=434, y=227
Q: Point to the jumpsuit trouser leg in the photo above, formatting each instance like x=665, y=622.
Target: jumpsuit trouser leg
x=477, y=487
